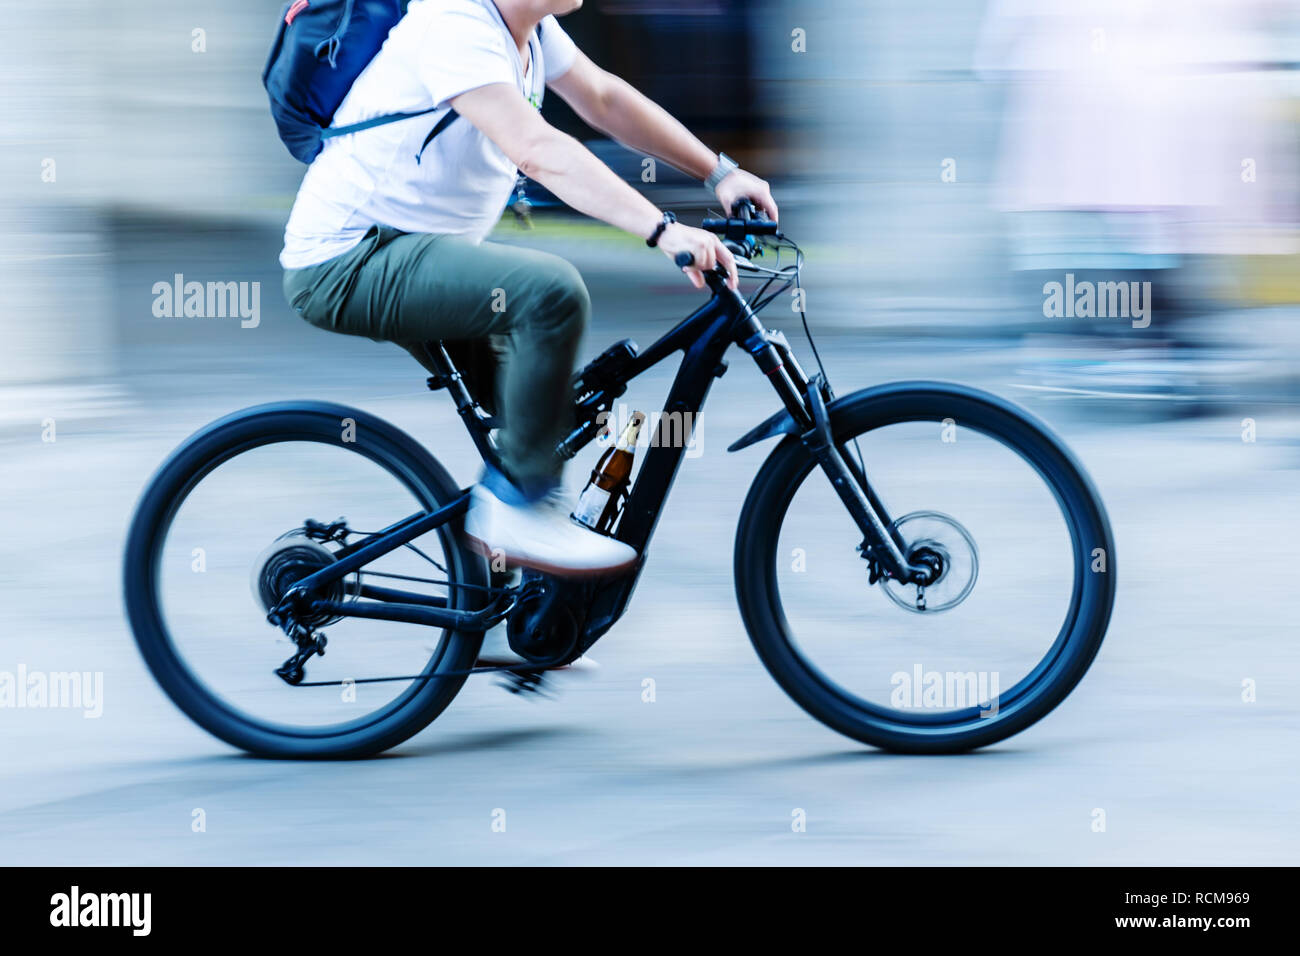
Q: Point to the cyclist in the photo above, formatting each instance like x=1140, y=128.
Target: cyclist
x=385, y=239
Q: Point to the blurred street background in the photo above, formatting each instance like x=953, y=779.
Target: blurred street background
x=941, y=163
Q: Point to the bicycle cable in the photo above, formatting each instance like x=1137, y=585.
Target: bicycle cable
x=797, y=273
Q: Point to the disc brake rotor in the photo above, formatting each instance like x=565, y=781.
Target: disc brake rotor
x=939, y=541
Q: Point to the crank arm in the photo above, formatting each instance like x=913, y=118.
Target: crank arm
x=819, y=441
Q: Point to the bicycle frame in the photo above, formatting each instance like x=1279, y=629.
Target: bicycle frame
x=703, y=338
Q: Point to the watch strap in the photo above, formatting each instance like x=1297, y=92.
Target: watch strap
x=725, y=167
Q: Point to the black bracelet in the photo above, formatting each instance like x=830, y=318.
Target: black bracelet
x=668, y=219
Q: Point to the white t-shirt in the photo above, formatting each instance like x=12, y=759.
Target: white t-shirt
x=461, y=181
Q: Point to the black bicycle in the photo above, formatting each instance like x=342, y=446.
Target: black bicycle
x=953, y=619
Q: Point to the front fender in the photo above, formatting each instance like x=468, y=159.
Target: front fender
x=782, y=423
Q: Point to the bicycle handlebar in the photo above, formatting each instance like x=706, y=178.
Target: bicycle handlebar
x=738, y=229
x=743, y=223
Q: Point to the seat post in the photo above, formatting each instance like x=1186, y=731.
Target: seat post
x=447, y=375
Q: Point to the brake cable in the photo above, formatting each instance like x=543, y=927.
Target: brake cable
x=796, y=272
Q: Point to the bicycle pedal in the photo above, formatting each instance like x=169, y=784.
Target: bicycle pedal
x=525, y=682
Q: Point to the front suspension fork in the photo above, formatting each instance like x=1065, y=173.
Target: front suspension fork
x=805, y=402
x=880, y=540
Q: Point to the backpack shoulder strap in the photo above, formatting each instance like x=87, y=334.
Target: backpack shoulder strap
x=441, y=125
x=331, y=132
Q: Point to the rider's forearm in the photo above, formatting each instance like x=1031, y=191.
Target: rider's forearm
x=629, y=116
x=568, y=169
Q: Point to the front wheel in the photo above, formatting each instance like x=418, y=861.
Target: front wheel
x=990, y=497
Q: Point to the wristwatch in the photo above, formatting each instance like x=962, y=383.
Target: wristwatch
x=726, y=166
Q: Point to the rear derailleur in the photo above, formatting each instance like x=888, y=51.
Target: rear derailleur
x=310, y=643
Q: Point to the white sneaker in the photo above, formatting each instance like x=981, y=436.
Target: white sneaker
x=541, y=535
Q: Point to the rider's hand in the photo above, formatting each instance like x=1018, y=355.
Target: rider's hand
x=707, y=249
x=742, y=185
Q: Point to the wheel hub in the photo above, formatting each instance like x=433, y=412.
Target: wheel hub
x=942, y=545
x=932, y=556
x=286, y=562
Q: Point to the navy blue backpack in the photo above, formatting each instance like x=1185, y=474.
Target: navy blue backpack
x=321, y=47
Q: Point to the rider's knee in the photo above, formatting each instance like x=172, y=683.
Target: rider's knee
x=563, y=305
x=300, y=299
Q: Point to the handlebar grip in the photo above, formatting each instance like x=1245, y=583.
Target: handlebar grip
x=719, y=274
x=740, y=227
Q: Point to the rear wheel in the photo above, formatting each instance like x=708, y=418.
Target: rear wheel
x=219, y=535
x=987, y=496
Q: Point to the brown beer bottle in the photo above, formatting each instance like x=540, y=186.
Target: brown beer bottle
x=600, y=501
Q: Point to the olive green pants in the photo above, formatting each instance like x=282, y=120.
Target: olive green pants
x=413, y=288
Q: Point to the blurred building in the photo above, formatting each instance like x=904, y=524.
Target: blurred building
x=891, y=150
